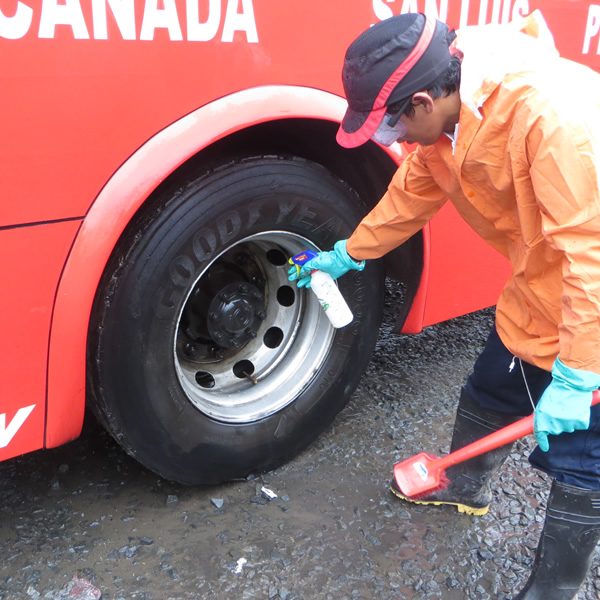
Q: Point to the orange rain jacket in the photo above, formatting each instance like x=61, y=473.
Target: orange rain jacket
x=523, y=172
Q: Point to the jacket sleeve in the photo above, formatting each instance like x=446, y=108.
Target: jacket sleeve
x=564, y=175
x=411, y=200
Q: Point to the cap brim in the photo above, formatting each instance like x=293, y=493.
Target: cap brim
x=358, y=127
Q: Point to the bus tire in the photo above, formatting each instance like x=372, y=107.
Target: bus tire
x=204, y=362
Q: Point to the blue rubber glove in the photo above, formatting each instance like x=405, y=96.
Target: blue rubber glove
x=565, y=404
x=336, y=263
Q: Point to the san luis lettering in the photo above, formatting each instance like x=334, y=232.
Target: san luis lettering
x=479, y=12
x=472, y=12
x=199, y=21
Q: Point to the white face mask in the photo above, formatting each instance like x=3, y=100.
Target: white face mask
x=387, y=134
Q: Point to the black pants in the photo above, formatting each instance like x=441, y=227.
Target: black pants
x=573, y=458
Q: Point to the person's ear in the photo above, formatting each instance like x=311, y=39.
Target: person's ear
x=423, y=100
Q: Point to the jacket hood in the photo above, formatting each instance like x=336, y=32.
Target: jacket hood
x=490, y=53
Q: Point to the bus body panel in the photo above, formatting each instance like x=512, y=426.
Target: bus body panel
x=32, y=260
x=103, y=100
x=86, y=87
x=477, y=276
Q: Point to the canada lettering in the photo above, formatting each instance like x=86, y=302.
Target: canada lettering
x=192, y=21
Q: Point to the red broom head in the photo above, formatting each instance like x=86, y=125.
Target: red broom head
x=418, y=475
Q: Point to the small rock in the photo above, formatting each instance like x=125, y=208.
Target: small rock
x=217, y=502
x=259, y=500
x=172, y=499
x=33, y=593
x=128, y=551
x=145, y=540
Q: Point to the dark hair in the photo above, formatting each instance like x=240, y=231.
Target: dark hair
x=447, y=83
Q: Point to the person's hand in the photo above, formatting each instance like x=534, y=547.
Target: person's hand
x=565, y=404
x=336, y=263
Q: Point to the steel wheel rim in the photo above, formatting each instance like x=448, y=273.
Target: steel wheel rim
x=279, y=352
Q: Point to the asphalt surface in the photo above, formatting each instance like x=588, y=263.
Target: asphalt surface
x=87, y=511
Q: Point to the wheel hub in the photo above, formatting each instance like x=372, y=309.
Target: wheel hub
x=235, y=314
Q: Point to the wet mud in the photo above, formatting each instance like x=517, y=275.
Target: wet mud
x=87, y=511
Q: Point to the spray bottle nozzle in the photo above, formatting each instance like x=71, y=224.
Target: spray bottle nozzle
x=302, y=258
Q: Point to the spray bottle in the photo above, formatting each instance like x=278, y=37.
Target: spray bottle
x=326, y=291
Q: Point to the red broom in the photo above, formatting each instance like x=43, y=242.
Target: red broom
x=424, y=473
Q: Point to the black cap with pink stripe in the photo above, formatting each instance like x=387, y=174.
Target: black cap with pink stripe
x=387, y=64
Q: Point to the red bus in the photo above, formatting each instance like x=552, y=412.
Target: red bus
x=160, y=160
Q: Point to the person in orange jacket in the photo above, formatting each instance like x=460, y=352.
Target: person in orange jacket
x=509, y=132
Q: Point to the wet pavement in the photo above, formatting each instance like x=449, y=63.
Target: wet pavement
x=85, y=519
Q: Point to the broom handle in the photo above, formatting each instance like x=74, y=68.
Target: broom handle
x=503, y=436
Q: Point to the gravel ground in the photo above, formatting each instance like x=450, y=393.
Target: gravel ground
x=89, y=512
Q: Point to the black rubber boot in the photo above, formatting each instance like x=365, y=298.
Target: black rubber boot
x=470, y=482
x=570, y=534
